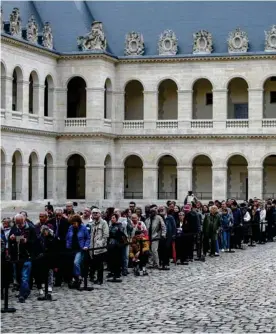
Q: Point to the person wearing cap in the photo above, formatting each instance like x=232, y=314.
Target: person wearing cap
x=99, y=236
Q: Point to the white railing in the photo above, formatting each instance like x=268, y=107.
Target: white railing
x=201, y=124
x=237, y=123
x=81, y=122
x=17, y=115
x=33, y=118
x=48, y=120
x=3, y=113
x=167, y=124
x=269, y=123
x=133, y=124
x=107, y=122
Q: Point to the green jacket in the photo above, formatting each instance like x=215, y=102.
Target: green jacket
x=211, y=225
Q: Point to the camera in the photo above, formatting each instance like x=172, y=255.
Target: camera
x=19, y=238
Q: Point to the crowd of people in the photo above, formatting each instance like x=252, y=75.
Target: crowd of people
x=64, y=246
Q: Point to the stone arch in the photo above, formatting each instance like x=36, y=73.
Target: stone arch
x=133, y=177
x=202, y=176
x=33, y=176
x=130, y=154
x=167, y=177
x=48, y=96
x=76, y=97
x=48, y=176
x=269, y=97
x=238, y=102
x=167, y=100
x=76, y=176
x=202, y=99
x=269, y=176
x=3, y=85
x=134, y=101
x=3, y=173
x=237, y=177
x=107, y=177
x=17, y=162
x=17, y=89
x=107, y=99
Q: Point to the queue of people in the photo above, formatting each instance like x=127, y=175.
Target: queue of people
x=65, y=246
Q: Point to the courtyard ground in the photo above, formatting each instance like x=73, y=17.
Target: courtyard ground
x=232, y=293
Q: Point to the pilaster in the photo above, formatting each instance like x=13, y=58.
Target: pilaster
x=61, y=183
x=117, y=183
x=220, y=98
x=255, y=112
x=94, y=183
x=95, y=107
x=38, y=182
x=184, y=181
x=219, y=180
x=255, y=182
x=150, y=179
x=24, y=189
x=61, y=107
x=119, y=109
x=150, y=109
x=7, y=186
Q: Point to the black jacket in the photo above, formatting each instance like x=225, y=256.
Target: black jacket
x=26, y=250
x=62, y=229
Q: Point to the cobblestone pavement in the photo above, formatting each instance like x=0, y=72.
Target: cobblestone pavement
x=232, y=293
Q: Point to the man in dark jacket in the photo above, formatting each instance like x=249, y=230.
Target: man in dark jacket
x=165, y=246
x=271, y=219
x=22, y=241
x=60, y=228
x=192, y=227
x=238, y=223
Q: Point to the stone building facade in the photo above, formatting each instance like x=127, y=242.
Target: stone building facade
x=102, y=129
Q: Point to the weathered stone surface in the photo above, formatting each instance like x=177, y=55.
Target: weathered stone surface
x=229, y=294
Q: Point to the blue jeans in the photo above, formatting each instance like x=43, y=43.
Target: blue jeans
x=77, y=264
x=125, y=258
x=25, y=279
x=225, y=239
x=217, y=246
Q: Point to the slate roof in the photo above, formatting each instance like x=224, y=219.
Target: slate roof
x=70, y=19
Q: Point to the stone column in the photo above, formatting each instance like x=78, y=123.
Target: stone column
x=119, y=110
x=220, y=102
x=94, y=184
x=150, y=109
x=255, y=182
x=61, y=184
x=117, y=184
x=23, y=97
x=219, y=181
x=150, y=179
x=51, y=183
x=8, y=181
x=185, y=108
x=255, y=106
x=184, y=182
x=39, y=102
x=24, y=189
x=38, y=189
x=61, y=108
x=95, y=107
x=8, y=96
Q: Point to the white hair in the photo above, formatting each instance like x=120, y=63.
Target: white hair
x=58, y=210
x=19, y=216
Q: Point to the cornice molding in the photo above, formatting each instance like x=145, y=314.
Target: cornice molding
x=113, y=136
x=26, y=45
x=123, y=60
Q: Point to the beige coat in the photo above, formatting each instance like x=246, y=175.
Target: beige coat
x=99, y=236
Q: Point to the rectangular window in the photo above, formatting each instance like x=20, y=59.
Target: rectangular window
x=209, y=99
x=241, y=110
x=272, y=97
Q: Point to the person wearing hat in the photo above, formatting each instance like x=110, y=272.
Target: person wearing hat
x=99, y=236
